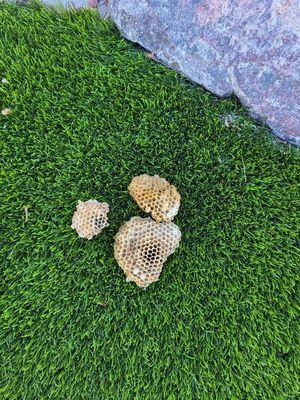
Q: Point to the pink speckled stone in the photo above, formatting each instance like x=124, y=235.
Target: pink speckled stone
x=93, y=3
x=247, y=47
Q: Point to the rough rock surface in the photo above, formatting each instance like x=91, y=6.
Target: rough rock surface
x=247, y=47
x=74, y=3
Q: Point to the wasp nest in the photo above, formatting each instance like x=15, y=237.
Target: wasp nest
x=142, y=246
x=155, y=195
x=90, y=218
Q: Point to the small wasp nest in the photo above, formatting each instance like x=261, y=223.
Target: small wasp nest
x=155, y=195
x=142, y=246
x=90, y=218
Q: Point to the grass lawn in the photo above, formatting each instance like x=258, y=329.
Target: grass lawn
x=89, y=112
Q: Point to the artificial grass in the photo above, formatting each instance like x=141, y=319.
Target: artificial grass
x=90, y=111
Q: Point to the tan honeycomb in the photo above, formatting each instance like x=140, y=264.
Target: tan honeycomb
x=155, y=195
x=142, y=246
x=90, y=218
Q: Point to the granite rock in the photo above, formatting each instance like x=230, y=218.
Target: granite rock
x=247, y=47
x=73, y=3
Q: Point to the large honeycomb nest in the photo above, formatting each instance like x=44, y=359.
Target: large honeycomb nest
x=90, y=218
x=155, y=195
x=142, y=246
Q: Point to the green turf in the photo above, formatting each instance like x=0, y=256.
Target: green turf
x=90, y=111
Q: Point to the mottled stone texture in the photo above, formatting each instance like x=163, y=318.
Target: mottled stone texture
x=247, y=47
x=73, y=3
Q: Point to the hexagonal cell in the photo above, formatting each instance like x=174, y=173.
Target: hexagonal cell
x=90, y=218
x=155, y=195
x=142, y=246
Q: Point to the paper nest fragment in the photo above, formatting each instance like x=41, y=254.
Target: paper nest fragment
x=156, y=196
x=142, y=246
x=90, y=218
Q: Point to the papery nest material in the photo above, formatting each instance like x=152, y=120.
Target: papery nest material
x=90, y=218
x=142, y=246
x=155, y=195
